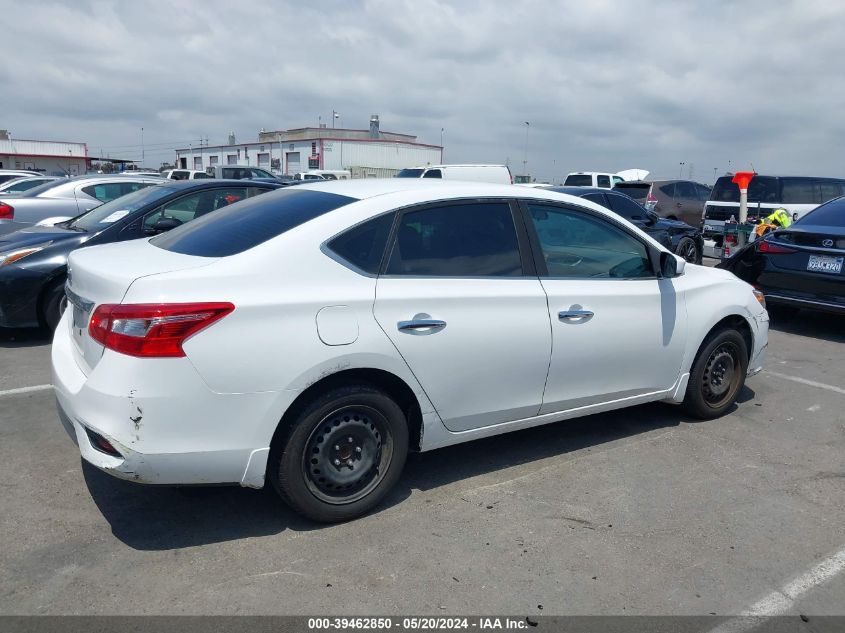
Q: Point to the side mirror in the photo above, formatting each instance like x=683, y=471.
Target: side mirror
x=162, y=225
x=651, y=217
x=671, y=265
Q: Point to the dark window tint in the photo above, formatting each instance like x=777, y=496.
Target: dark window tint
x=578, y=180
x=598, y=198
x=797, y=191
x=637, y=192
x=433, y=173
x=626, y=207
x=669, y=189
x=685, y=190
x=760, y=189
x=468, y=240
x=603, y=181
x=577, y=244
x=703, y=192
x=363, y=245
x=831, y=189
x=410, y=173
x=830, y=214
x=107, y=214
x=242, y=226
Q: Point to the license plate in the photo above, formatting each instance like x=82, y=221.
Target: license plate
x=825, y=264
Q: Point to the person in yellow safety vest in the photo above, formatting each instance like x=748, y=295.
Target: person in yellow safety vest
x=777, y=219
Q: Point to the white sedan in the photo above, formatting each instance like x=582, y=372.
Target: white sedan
x=312, y=336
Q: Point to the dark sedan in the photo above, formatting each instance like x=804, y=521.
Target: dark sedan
x=801, y=266
x=33, y=261
x=679, y=237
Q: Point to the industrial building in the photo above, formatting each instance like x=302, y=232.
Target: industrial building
x=366, y=153
x=54, y=158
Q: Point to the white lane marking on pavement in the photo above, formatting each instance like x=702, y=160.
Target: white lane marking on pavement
x=804, y=381
x=781, y=600
x=12, y=392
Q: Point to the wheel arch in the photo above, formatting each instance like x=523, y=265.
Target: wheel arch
x=46, y=286
x=733, y=321
x=390, y=383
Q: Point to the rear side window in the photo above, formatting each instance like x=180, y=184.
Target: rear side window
x=250, y=223
x=685, y=190
x=760, y=189
x=363, y=246
x=798, y=191
x=433, y=173
x=108, y=191
x=831, y=189
x=603, y=181
x=669, y=189
x=462, y=240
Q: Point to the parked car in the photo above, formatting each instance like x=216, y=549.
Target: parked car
x=17, y=186
x=602, y=180
x=240, y=172
x=673, y=199
x=33, y=261
x=308, y=338
x=797, y=194
x=185, y=174
x=801, y=266
x=679, y=237
x=66, y=198
x=10, y=174
x=500, y=174
x=323, y=174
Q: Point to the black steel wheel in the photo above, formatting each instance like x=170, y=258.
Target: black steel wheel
x=688, y=249
x=717, y=375
x=342, y=455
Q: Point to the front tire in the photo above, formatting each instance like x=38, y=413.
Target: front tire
x=717, y=375
x=688, y=249
x=344, y=452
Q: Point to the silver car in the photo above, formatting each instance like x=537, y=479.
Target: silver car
x=64, y=199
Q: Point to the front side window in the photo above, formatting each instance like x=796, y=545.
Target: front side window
x=195, y=205
x=460, y=240
x=579, y=245
x=669, y=189
x=685, y=190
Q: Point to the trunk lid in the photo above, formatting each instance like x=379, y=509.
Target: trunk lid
x=103, y=274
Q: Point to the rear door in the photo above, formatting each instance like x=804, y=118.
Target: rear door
x=687, y=203
x=617, y=331
x=460, y=303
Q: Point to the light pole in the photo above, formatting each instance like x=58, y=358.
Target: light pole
x=335, y=115
x=142, y=147
x=441, y=145
x=525, y=155
x=681, y=170
x=715, y=169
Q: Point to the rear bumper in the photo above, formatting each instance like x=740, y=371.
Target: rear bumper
x=167, y=425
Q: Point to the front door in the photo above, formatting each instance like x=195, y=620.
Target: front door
x=470, y=322
x=617, y=331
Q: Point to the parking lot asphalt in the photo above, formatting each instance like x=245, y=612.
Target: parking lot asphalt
x=639, y=511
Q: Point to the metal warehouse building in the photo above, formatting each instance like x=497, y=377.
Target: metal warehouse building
x=365, y=153
x=54, y=158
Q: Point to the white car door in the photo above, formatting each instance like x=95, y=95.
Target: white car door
x=617, y=330
x=469, y=320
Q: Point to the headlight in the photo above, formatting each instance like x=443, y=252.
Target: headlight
x=10, y=257
x=757, y=295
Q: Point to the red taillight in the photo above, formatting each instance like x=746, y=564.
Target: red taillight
x=775, y=249
x=7, y=211
x=152, y=329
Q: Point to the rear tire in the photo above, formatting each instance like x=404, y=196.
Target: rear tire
x=53, y=304
x=717, y=375
x=343, y=454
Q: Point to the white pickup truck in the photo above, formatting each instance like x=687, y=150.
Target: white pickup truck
x=602, y=180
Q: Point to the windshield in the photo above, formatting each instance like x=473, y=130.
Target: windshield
x=410, y=173
x=35, y=191
x=101, y=217
x=579, y=180
x=760, y=189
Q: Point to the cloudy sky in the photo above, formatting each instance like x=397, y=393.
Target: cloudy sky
x=605, y=85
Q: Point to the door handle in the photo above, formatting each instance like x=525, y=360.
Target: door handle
x=574, y=314
x=420, y=324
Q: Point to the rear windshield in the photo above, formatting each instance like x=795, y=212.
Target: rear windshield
x=636, y=191
x=410, y=173
x=578, y=180
x=246, y=224
x=760, y=189
x=830, y=214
